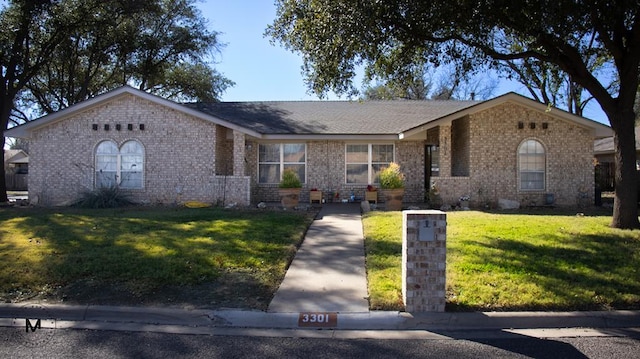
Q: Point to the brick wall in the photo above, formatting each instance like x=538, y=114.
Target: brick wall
x=180, y=155
x=190, y=159
x=494, y=140
x=326, y=172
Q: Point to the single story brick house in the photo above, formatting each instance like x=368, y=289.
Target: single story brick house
x=163, y=152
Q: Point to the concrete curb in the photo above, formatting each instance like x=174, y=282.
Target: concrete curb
x=246, y=322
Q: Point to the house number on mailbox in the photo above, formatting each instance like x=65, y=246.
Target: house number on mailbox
x=426, y=230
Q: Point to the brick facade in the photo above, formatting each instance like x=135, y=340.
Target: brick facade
x=495, y=135
x=179, y=155
x=187, y=158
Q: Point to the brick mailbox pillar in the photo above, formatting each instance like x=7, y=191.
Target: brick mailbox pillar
x=424, y=253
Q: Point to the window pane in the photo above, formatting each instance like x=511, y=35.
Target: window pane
x=532, y=165
x=435, y=161
x=131, y=147
x=131, y=163
x=299, y=169
x=376, y=171
x=357, y=173
x=131, y=180
x=269, y=173
x=107, y=147
x=105, y=179
x=382, y=153
x=357, y=153
x=294, y=152
x=532, y=180
x=269, y=153
x=107, y=163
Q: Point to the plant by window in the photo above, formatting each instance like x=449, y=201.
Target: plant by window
x=104, y=197
x=391, y=177
x=290, y=179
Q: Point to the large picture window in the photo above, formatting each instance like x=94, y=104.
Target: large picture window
x=274, y=158
x=532, y=165
x=123, y=167
x=365, y=161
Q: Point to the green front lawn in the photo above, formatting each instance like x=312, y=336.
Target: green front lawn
x=516, y=262
x=136, y=254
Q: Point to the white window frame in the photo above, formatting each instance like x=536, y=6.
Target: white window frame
x=542, y=171
x=282, y=164
x=119, y=163
x=370, y=163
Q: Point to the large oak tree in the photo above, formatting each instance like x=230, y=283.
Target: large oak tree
x=388, y=36
x=55, y=53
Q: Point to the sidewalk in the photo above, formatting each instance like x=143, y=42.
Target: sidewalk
x=326, y=275
x=328, y=272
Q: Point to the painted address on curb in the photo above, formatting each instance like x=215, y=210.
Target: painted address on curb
x=318, y=319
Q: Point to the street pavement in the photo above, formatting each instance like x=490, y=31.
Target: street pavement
x=323, y=295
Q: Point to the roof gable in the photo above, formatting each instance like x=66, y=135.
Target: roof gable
x=600, y=130
x=24, y=130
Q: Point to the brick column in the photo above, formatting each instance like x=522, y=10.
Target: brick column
x=238, y=153
x=424, y=253
x=445, y=150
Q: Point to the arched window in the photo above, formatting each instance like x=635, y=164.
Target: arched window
x=531, y=165
x=122, y=167
x=131, y=164
x=106, y=164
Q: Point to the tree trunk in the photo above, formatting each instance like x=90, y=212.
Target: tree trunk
x=625, y=205
x=5, y=111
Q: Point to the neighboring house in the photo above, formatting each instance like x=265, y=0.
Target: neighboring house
x=16, y=169
x=604, y=153
x=160, y=151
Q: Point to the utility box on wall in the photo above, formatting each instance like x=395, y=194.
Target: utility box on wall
x=424, y=255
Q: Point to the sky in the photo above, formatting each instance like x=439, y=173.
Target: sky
x=261, y=71
x=266, y=72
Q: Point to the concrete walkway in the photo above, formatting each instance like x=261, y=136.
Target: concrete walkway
x=328, y=272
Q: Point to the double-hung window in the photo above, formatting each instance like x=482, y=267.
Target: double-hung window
x=365, y=161
x=274, y=158
x=531, y=165
x=123, y=167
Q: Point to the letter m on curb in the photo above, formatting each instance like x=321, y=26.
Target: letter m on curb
x=31, y=327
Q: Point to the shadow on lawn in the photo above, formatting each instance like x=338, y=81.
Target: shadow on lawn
x=184, y=257
x=584, y=273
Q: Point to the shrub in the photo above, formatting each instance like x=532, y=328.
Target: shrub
x=104, y=197
x=290, y=179
x=391, y=177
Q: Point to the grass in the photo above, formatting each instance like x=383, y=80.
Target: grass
x=498, y=261
x=142, y=252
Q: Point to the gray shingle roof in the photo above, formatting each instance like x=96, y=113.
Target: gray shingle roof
x=605, y=145
x=331, y=117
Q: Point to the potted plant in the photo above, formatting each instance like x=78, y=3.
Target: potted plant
x=371, y=195
x=434, y=196
x=392, y=185
x=289, y=191
x=464, y=202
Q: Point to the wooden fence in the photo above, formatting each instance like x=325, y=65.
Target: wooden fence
x=16, y=181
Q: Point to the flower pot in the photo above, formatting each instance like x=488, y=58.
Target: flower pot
x=289, y=197
x=393, y=199
x=371, y=196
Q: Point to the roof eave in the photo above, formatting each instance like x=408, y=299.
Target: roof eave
x=330, y=137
